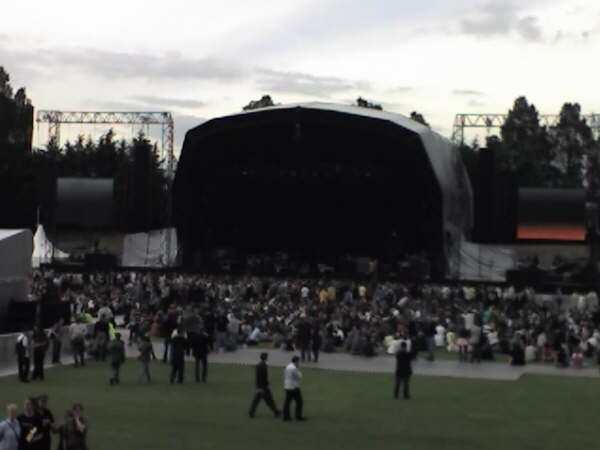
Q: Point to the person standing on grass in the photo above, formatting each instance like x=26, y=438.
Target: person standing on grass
x=263, y=391
x=73, y=433
x=77, y=332
x=31, y=426
x=316, y=341
x=292, y=378
x=22, y=350
x=146, y=352
x=403, y=371
x=179, y=347
x=303, y=338
x=10, y=429
x=116, y=350
x=101, y=330
x=56, y=335
x=199, y=343
x=47, y=422
x=39, y=341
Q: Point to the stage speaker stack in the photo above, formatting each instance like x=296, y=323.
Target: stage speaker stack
x=84, y=203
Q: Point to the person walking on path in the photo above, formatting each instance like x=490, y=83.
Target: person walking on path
x=263, y=391
x=56, y=336
x=199, y=343
x=179, y=347
x=146, y=352
x=101, y=332
x=304, y=334
x=22, y=350
x=77, y=332
x=39, y=341
x=292, y=378
x=403, y=371
x=116, y=350
x=10, y=429
x=316, y=341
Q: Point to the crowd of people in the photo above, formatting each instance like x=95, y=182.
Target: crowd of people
x=33, y=427
x=196, y=315
x=312, y=316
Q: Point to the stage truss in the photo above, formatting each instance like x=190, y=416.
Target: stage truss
x=491, y=122
x=56, y=119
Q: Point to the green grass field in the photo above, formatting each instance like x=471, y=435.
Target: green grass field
x=346, y=411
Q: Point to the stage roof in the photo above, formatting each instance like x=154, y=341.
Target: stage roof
x=443, y=156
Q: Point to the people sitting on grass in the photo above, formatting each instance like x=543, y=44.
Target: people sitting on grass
x=353, y=314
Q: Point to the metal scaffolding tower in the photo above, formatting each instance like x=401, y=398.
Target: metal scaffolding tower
x=495, y=121
x=164, y=119
x=55, y=119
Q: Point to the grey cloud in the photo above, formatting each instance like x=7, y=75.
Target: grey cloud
x=400, y=89
x=170, y=102
x=585, y=36
x=306, y=84
x=501, y=18
x=112, y=105
x=496, y=18
x=475, y=103
x=142, y=65
x=184, y=123
x=468, y=92
x=115, y=65
x=528, y=28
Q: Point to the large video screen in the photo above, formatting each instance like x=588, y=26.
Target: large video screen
x=551, y=214
x=84, y=202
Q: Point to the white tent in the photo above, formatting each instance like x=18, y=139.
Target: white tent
x=15, y=266
x=157, y=248
x=43, y=250
x=484, y=262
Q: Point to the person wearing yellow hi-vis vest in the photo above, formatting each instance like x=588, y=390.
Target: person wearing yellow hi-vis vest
x=111, y=331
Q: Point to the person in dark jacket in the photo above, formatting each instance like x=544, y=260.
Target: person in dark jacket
x=179, y=347
x=39, y=341
x=263, y=391
x=116, y=350
x=403, y=371
x=316, y=341
x=199, y=342
x=304, y=332
x=47, y=422
x=101, y=338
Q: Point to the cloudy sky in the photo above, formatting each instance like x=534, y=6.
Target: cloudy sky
x=201, y=59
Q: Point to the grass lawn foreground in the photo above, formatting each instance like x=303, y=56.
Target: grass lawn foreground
x=346, y=411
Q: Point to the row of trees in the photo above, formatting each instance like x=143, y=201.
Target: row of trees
x=140, y=200
x=28, y=177
x=558, y=156
x=537, y=155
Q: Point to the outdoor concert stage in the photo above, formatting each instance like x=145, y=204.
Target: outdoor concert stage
x=319, y=181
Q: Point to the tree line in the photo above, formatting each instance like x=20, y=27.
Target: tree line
x=564, y=155
x=28, y=176
x=558, y=156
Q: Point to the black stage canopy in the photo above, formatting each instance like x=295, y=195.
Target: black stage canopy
x=319, y=181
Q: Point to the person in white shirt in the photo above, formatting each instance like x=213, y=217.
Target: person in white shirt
x=10, y=430
x=22, y=350
x=291, y=384
x=77, y=332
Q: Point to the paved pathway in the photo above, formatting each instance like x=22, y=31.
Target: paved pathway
x=378, y=364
